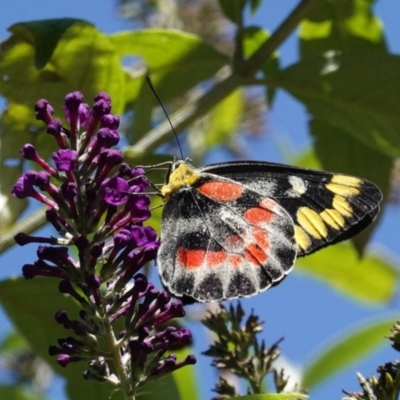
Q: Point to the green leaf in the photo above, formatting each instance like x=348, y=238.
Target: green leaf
x=254, y=6
x=31, y=306
x=180, y=385
x=13, y=343
x=185, y=378
x=44, y=34
x=176, y=61
x=17, y=393
x=163, y=388
x=79, y=57
x=306, y=159
x=274, y=396
x=253, y=38
x=345, y=350
x=355, y=156
x=355, y=159
x=372, y=279
x=232, y=9
x=342, y=26
x=18, y=126
x=357, y=94
x=218, y=129
x=10, y=209
x=224, y=119
x=143, y=113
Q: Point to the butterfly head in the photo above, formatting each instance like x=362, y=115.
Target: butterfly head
x=182, y=174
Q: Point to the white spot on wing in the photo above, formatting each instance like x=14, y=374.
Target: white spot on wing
x=298, y=186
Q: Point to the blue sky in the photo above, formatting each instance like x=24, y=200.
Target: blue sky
x=305, y=312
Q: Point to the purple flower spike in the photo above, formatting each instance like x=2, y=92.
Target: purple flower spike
x=151, y=234
x=138, y=206
x=138, y=235
x=58, y=221
x=55, y=128
x=22, y=239
x=189, y=360
x=24, y=188
x=97, y=250
x=175, y=310
x=107, y=138
x=122, y=239
x=56, y=255
x=71, y=106
x=97, y=204
x=113, y=191
x=103, y=96
x=93, y=281
x=109, y=121
x=43, y=111
x=107, y=160
x=84, y=114
x=101, y=107
x=29, y=153
x=43, y=180
x=78, y=327
x=163, y=298
x=181, y=338
x=64, y=359
x=167, y=366
x=69, y=191
x=140, y=283
x=30, y=271
x=65, y=159
x=66, y=287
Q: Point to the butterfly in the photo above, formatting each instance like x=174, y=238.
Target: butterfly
x=235, y=229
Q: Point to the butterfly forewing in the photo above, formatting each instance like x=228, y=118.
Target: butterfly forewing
x=326, y=208
x=221, y=240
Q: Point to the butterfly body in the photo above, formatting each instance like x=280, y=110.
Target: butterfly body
x=235, y=229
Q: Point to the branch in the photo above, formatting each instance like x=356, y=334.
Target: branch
x=28, y=225
x=185, y=116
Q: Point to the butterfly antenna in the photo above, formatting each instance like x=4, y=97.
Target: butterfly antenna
x=165, y=112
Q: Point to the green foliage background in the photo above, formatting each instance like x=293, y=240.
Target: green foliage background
x=345, y=77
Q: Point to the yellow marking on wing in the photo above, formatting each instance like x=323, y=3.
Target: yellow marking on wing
x=346, y=180
x=183, y=175
x=333, y=218
x=301, y=238
x=311, y=222
x=342, y=190
x=342, y=206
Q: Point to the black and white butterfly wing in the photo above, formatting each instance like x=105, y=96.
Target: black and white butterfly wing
x=325, y=207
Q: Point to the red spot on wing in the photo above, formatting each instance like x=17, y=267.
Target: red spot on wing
x=255, y=255
x=235, y=260
x=195, y=258
x=260, y=237
x=221, y=191
x=190, y=259
x=215, y=258
x=258, y=215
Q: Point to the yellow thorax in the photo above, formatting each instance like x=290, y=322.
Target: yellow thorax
x=183, y=175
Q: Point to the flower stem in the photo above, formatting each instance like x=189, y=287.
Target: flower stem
x=125, y=384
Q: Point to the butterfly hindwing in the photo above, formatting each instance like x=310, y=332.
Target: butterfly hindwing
x=326, y=208
x=222, y=240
